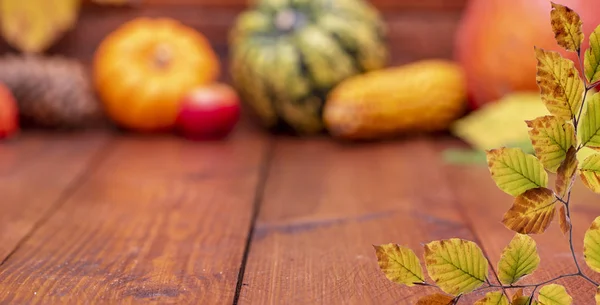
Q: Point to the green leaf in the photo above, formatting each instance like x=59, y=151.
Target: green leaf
x=551, y=138
x=560, y=84
x=399, y=264
x=532, y=212
x=514, y=171
x=591, y=245
x=493, y=298
x=591, y=59
x=590, y=172
x=436, y=299
x=589, y=127
x=518, y=259
x=554, y=294
x=565, y=175
x=456, y=265
x=566, y=25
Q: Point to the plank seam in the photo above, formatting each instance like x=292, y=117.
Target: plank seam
x=98, y=157
x=258, y=198
x=467, y=220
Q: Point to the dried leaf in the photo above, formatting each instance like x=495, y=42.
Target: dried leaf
x=518, y=259
x=514, y=171
x=493, y=298
x=589, y=127
x=566, y=172
x=532, y=212
x=563, y=220
x=590, y=172
x=519, y=299
x=591, y=245
x=456, y=265
x=436, y=299
x=560, y=84
x=591, y=59
x=566, y=25
x=554, y=294
x=33, y=25
x=551, y=138
x=399, y=264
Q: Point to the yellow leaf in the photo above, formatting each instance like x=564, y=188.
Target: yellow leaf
x=532, y=212
x=566, y=25
x=518, y=259
x=591, y=245
x=551, y=138
x=589, y=128
x=399, y=264
x=566, y=172
x=560, y=84
x=33, y=25
x=514, y=171
x=500, y=123
x=436, y=299
x=455, y=265
x=493, y=298
x=554, y=294
x=590, y=172
x=597, y=296
x=591, y=59
x=519, y=299
x=563, y=220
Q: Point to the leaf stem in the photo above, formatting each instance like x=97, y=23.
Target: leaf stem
x=503, y=290
x=424, y=284
x=560, y=199
x=576, y=120
x=568, y=210
x=455, y=301
x=587, y=86
x=532, y=295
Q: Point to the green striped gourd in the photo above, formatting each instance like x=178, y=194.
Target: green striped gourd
x=286, y=55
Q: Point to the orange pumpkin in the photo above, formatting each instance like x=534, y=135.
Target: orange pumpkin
x=143, y=70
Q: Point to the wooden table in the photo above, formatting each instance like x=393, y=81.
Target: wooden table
x=107, y=218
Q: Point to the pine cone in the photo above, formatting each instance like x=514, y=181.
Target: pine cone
x=51, y=92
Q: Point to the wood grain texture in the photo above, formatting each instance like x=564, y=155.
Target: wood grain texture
x=37, y=170
x=161, y=221
x=484, y=205
x=326, y=204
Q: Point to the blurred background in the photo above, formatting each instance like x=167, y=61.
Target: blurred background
x=350, y=69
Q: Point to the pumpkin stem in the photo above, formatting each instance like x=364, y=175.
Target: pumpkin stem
x=162, y=56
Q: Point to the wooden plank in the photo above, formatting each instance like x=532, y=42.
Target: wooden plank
x=37, y=171
x=484, y=206
x=326, y=204
x=161, y=221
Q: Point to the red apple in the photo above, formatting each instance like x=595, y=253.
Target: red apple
x=9, y=114
x=209, y=112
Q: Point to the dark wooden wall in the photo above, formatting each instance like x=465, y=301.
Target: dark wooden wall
x=418, y=28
